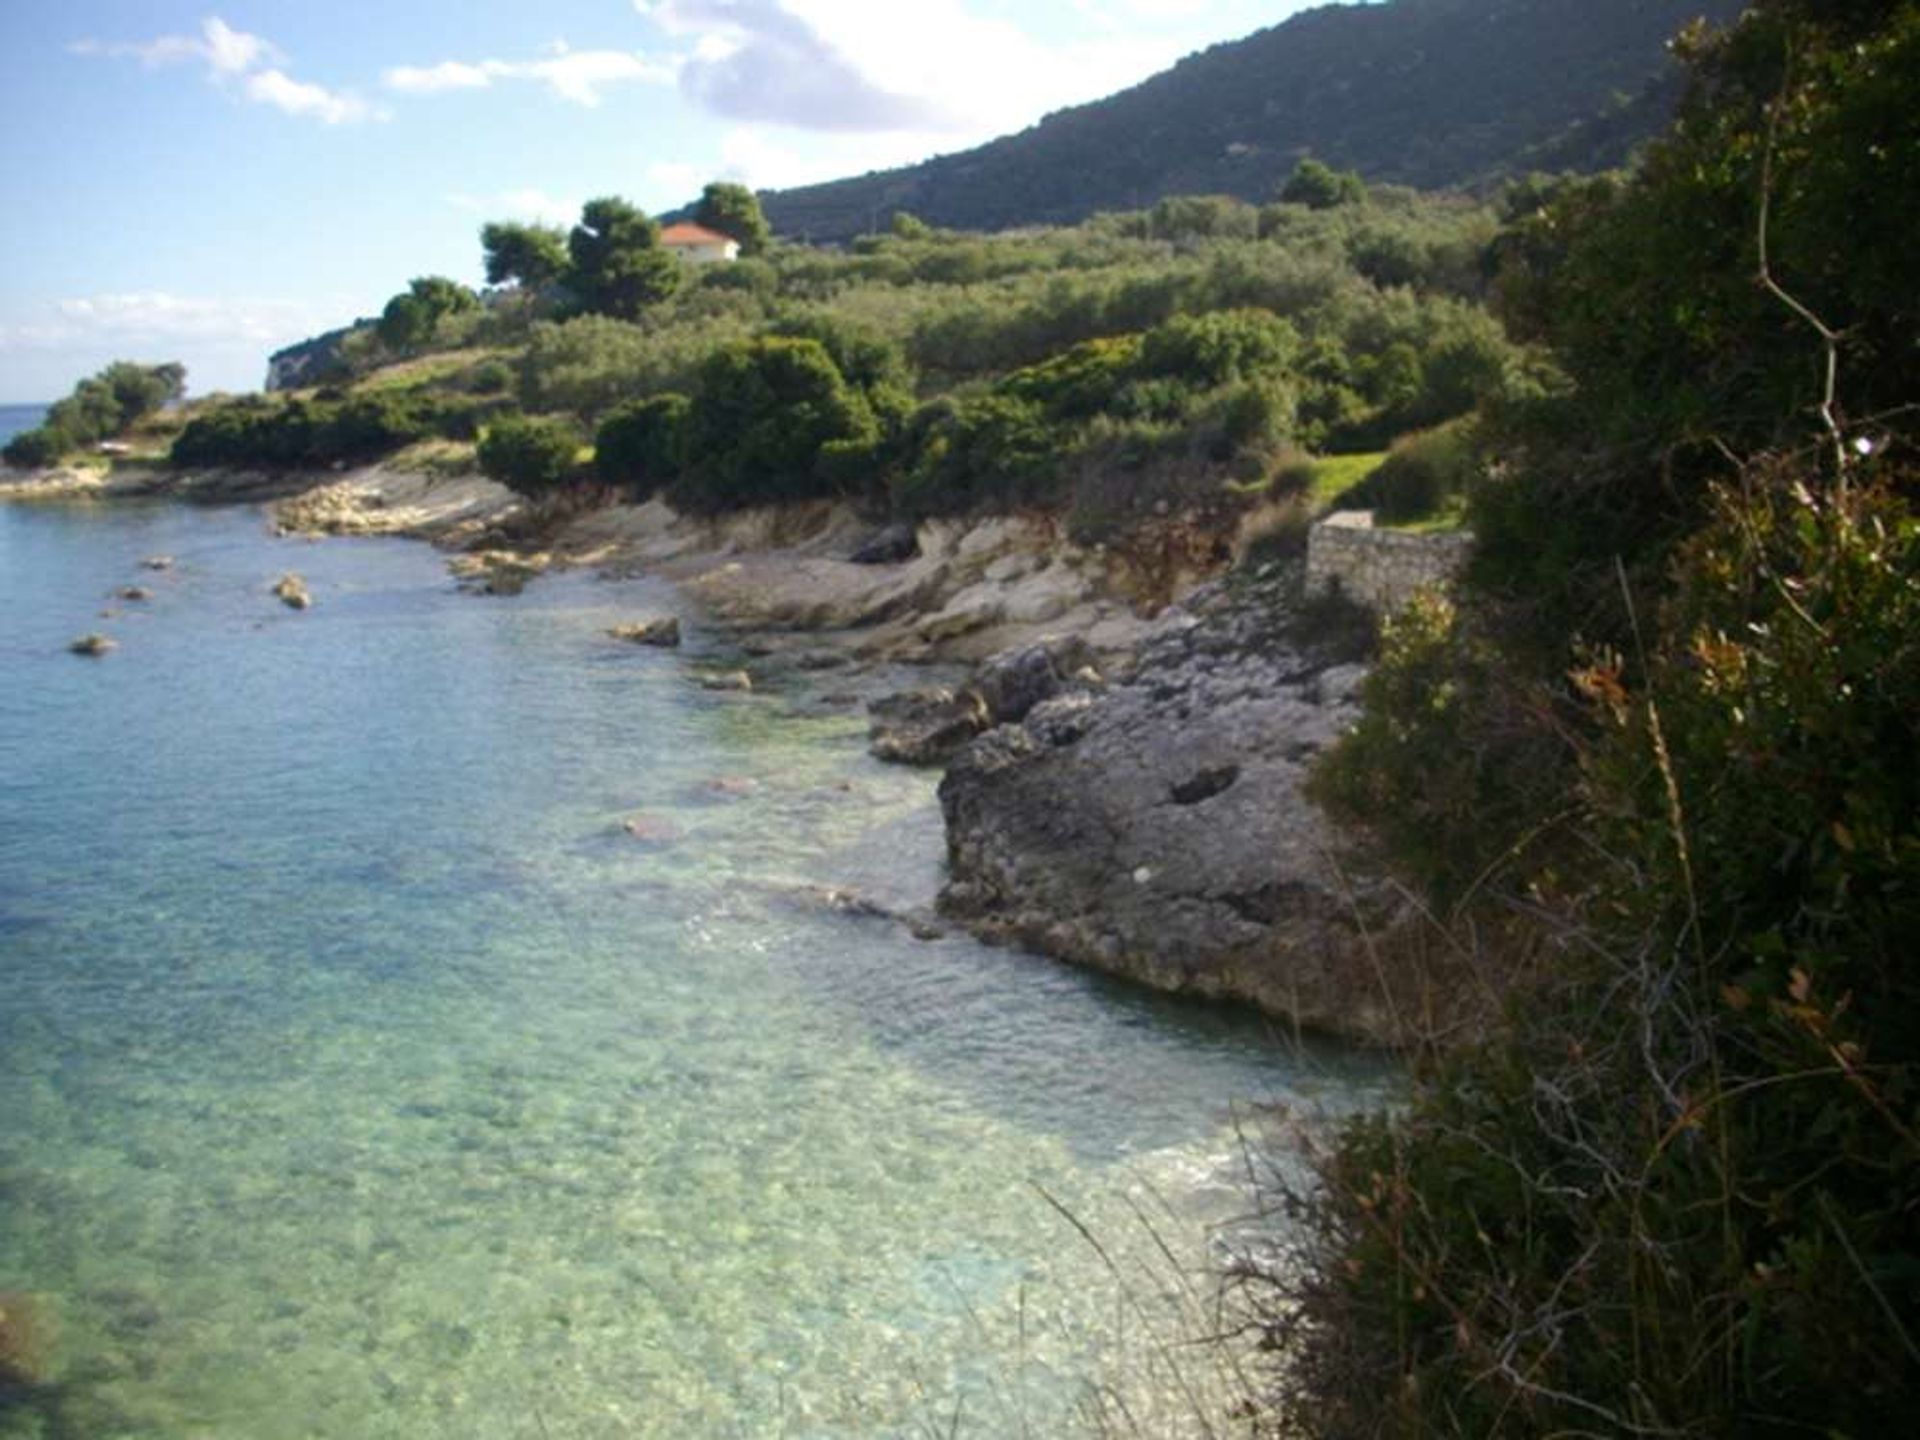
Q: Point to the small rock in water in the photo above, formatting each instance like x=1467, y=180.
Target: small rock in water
x=158, y=562
x=733, y=786
x=134, y=594
x=723, y=680
x=651, y=830
x=662, y=631
x=95, y=644
x=292, y=592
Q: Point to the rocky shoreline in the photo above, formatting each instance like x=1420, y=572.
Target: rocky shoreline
x=1124, y=785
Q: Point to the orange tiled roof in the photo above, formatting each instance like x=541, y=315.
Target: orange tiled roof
x=688, y=234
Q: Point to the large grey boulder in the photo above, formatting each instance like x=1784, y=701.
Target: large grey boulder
x=1158, y=828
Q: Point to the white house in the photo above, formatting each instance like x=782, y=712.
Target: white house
x=699, y=245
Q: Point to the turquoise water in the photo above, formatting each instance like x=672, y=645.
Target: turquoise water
x=361, y=1077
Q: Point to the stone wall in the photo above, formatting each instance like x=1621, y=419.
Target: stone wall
x=1379, y=568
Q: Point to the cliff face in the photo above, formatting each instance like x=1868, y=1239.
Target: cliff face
x=311, y=362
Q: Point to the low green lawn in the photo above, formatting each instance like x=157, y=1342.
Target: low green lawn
x=1334, y=475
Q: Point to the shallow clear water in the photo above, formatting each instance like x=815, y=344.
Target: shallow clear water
x=359, y=1076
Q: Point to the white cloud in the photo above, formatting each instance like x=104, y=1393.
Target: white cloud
x=296, y=97
x=158, y=317
x=530, y=203
x=575, y=75
x=255, y=64
x=938, y=68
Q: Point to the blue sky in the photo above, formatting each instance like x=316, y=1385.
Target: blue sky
x=209, y=183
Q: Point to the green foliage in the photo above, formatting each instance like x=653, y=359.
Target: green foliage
x=1701, y=1125
x=100, y=407
x=1423, y=475
x=639, y=446
x=1646, y=291
x=413, y=318
x=734, y=210
x=590, y=364
x=532, y=455
x=530, y=256
x=1209, y=350
x=617, y=265
x=762, y=412
x=1320, y=187
x=347, y=429
x=1673, y=1194
x=979, y=450
x=34, y=449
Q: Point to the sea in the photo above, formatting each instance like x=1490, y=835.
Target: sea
x=362, y=1075
x=15, y=418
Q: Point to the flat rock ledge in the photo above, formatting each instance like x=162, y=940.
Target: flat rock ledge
x=1155, y=827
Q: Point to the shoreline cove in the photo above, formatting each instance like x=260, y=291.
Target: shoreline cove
x=1097, y=855
x=372, y=1100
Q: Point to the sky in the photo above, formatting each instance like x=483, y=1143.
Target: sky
x=209, y=184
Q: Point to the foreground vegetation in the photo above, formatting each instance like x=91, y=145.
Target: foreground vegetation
x=1654, y=772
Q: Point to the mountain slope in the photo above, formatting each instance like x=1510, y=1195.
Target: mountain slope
x=1419, y=92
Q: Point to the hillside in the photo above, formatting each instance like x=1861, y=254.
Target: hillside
x=1428, y=93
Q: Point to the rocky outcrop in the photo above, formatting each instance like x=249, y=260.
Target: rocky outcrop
x=94, y=645
x=381, y=500
x=930, y=726
x=1157, y=827
x=661, y=632
x=498, y=572
x=924, y=727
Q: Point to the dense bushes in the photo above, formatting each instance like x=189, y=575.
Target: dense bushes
x=530, y=455
x=323, y=431
x=763, y=416
x=100, y=407
x=639, y=446
x=1656, y=770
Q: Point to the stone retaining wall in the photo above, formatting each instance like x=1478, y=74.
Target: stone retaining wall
x=1380, y=568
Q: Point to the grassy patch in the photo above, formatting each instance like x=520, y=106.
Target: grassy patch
x=1334, y=475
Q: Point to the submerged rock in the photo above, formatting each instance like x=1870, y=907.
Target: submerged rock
x=95, y=645
x=292, y=592
x=158, y=562
x=651, y=829
x=662, y=631
x=133, y=594
x=1159, y=828
x=723, y=680
x=26, y=1341
x=498, y=572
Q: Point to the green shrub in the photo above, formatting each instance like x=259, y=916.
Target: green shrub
x=1208, y=350
x=981, y=450
x=639, y=446
x=1422, y=476
x=761, y=413
x=529, y=454
x=36, y=449
x=491, y=377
